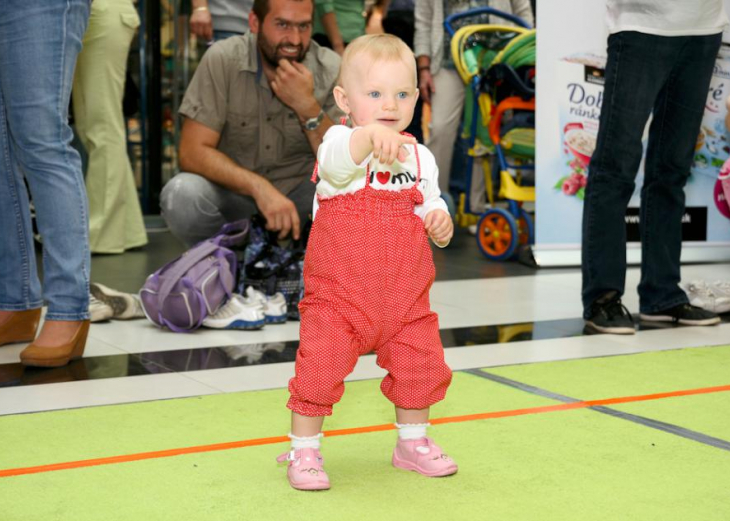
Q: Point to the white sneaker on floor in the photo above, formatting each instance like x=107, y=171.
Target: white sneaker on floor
x=252, y=353
x=721, y=287
x=125, y=306
x=274, y=306
x=237, y=313
x=711, y=297
x=98, y=310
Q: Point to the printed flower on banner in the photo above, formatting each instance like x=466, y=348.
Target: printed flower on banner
x=575, y=183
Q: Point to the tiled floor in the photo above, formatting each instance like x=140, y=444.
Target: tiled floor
x=491, y=314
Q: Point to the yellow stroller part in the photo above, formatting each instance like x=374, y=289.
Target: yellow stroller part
x=511, y=190
x=464, y=218
x=469, y=61
x=519, y=51
x=520, y=143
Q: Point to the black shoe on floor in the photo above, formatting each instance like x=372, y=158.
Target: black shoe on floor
x=686, y=314
x=610, y=316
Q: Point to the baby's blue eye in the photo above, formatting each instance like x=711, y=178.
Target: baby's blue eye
x=374, y=94
x=402, y=95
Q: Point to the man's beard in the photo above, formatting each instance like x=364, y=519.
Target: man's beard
x=272, y=54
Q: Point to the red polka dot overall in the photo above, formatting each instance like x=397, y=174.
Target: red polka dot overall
x=367, y=274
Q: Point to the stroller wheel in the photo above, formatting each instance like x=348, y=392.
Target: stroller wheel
x=497, y=234
x=526, y=227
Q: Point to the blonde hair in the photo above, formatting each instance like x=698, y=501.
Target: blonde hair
x=379, y=47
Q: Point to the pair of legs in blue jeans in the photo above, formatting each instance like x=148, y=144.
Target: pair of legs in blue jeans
x=645, y=74
x=39, y=43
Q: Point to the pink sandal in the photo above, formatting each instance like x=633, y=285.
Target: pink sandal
x=423, y=456
x=305, y=471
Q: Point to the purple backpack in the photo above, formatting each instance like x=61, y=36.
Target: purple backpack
x=183, y=292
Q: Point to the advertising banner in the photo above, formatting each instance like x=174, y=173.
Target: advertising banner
x=570, y=71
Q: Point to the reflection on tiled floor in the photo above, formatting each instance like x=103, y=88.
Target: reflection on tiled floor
x=91, y=368
x=206, y=358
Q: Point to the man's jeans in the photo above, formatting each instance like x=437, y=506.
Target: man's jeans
x=39, y=43
x=668, y=76
x=195, y=208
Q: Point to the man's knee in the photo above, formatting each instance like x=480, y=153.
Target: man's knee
x=186, y=206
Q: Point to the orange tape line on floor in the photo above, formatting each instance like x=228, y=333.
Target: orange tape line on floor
x=356, y=430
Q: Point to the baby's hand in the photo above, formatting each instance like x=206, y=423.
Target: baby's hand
x=439, y=227
x=388, y=144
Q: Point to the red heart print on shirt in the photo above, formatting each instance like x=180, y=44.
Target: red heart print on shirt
x=383, y=177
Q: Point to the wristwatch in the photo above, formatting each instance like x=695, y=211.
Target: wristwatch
x=313, y=123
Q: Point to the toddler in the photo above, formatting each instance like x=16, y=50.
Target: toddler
x=369, y=268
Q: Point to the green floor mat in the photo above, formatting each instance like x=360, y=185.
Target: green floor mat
x=549, y=467
x=60, y=436
x=555, y=466
x=708, y=414
x=644, y=373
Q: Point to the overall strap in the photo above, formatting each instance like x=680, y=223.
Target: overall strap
x=315, y=173
x=418, y=159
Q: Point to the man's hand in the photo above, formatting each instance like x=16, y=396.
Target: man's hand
x=388, y=144
x=293, y=84
x=426, y=85
x=201, y=24
x=439, y=227
x=280, y=213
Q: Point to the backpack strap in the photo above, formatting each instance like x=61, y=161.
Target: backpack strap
x=232, y=234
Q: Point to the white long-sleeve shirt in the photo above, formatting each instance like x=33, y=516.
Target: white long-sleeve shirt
x=667, y=17
x=339, y=174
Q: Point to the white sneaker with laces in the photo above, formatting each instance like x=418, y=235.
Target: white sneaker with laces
x=125, y=306
x=274, y=306
x=711, y=297
x=237, y=313
x=722, y=287
x=98, y=310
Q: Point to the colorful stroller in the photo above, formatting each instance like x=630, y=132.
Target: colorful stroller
x=497, y=62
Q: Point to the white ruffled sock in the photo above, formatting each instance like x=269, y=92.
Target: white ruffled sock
x=305, y=442
x=411, y=431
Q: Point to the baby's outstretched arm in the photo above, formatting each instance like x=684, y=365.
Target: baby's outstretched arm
x=385, y=144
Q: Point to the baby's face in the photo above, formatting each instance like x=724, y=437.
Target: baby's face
x=381, y=92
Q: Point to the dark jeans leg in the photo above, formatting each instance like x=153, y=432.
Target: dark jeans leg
x=677, y=118
x=635, y=74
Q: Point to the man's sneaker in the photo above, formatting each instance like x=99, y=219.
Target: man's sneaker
x=610, y=316
x=125, y=306
x=98, y=310
x=305, y=469
x=237, y=313
x=274, y=306
x=423, y=456
x=686, y=314
x=712, y=297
